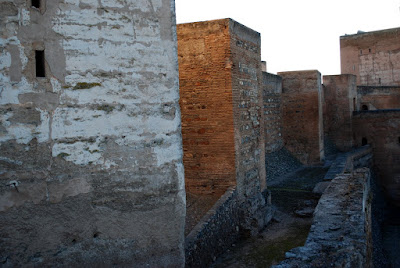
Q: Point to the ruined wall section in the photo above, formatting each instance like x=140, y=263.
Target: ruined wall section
x=90, y=154
x=374, y=57
x=378, y=97
x=272, y=95
x=302, y=112
x=205, y=67
x=340, y=100
x=381, y=130
x=249, y=125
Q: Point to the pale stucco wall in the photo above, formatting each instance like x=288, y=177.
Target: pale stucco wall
x=94, y=148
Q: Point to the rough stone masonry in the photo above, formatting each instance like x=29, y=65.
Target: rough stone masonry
x=91, y=166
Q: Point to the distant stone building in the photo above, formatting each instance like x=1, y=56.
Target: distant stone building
x=91, y=169
x=374, y=57
x=378, y=97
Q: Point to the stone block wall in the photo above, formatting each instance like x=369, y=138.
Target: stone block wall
x=381, y=130
x=215, y=233
x=374, y=57
x=90, y=143
x=272, y=94
x=247, y=109
x=302, y=98
x=340, y=100
x=378, y=97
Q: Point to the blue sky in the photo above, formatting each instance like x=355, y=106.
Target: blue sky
x=298, y=35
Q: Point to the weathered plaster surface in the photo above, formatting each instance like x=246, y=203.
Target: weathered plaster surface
x=95, y=146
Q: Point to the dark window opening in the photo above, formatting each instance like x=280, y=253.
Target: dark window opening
x=360, y=51
x=36, y=3
x=379, y=81
x=364, y=141
x=364, y=108
x=369, y=50
x=40, y=66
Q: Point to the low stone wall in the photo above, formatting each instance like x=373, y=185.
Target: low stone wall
x=218, y=229
x=347, y=162
x=224, y=224
x=361, y=157
x=341, y=232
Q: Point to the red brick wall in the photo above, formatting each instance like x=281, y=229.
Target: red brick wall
x=302, y=115
x=374, y=57
x=340, y=100
x=205, y=77
x=382, y=131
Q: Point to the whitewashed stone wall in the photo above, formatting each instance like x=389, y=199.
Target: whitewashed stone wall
x=91, y=154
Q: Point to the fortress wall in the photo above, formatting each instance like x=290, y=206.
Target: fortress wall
x=272, y=95
x=90, y=143
x=247, y=112
x=378, y=97
x=222, y=124
x=205, y=76
x=302, y=98
x=340, y=100
x=220, y=87
x=381, y=130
